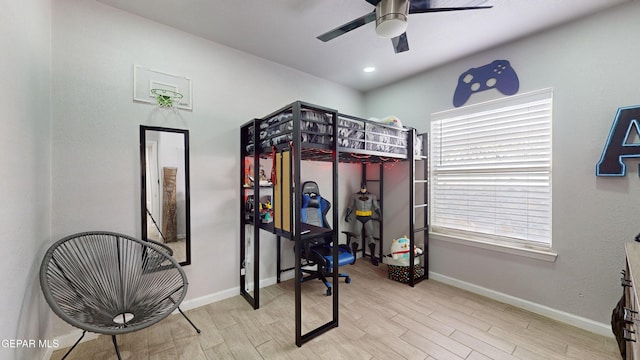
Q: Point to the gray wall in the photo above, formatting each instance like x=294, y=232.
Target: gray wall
x=592, y=66
x=25, y=160
x=95, y=174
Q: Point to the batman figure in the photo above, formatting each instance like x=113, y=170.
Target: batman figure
x=364, y=204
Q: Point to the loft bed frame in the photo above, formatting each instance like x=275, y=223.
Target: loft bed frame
x=303, y=131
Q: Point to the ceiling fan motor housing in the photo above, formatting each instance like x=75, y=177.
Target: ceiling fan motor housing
x=391, y=18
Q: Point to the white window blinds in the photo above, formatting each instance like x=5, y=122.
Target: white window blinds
x=491, y=169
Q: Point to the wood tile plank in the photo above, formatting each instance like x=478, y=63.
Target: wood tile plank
x=379, y=319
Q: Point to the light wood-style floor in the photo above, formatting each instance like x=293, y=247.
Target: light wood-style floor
x=379, y=319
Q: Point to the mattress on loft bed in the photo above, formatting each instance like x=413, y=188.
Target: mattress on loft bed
x=418, y=145
x=315, y=128
x=366, y=135
x=353, y=133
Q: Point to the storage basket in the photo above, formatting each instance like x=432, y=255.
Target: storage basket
x=401, y=273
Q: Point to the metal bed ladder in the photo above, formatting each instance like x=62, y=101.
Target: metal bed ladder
x=419, y=198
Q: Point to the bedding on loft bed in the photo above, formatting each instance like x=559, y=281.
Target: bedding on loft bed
x=355, y=135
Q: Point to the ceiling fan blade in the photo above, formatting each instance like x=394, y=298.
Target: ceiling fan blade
x=417, y=9
x=373, y=2
x=348, y=27
x=400, y=43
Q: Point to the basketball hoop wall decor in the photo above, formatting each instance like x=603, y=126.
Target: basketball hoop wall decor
x=166, y=98
x=161, y=88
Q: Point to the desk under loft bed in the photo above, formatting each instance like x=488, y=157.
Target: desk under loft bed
x=305, y=132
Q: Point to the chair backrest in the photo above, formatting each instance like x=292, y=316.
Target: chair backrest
x=314, y=207
x=111, y=283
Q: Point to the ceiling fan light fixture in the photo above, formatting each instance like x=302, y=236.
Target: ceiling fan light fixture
x=391, y=18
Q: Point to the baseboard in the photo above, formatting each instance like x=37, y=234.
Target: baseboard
x=208, y=299
x=567, y=318
x=221, y=295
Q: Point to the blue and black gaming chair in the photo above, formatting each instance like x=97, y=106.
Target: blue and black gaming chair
x=314, y=209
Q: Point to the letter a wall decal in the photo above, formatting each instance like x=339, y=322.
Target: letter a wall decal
x=623, y=142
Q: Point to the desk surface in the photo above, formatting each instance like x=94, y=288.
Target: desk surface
x=633, y=260
x=307, y=231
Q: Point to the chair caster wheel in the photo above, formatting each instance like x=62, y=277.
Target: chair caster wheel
x=329, y=292
x=347, y=280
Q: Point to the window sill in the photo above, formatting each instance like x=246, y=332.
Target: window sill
x=514, y=249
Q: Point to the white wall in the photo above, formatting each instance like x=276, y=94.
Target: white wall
x=95, y=171
x=592, y=65
x=25, y=113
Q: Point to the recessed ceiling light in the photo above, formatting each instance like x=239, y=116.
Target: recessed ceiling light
x=369, y=69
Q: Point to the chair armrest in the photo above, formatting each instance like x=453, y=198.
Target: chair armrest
x=350, y=235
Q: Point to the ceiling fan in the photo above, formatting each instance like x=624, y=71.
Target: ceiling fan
x=391, y=18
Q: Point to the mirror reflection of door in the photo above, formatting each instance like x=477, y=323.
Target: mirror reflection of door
x=166, y=189
x=152, y=188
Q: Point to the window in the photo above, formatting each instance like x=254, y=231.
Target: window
x=491, y=171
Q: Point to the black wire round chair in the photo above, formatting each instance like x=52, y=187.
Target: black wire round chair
x=110, y=283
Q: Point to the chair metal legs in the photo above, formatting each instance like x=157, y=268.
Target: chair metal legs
x=74, y=345
x=189, y=320
x=186, y=317
x=115, y=344
x=113, y=338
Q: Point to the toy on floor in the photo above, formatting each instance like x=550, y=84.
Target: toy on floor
x=400, y=249
x=398, y=261
x=364, y=204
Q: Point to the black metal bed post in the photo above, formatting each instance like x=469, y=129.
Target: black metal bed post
x=412, y=215
x=415, y=182
x=363, y=239
x=278, y=258
x=256, y=217
x=381, y=204
x=242, y=207
x=242, y=217
x=334, y=167
x=244, y=135
x=425, y=181
x=296, y=153
x=300, y=337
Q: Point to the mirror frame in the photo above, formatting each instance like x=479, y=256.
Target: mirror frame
x=143, y=184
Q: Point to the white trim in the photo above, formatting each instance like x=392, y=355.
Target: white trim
x=514, y=249
x=219, y=296
x=208, y=299
x=574, y=320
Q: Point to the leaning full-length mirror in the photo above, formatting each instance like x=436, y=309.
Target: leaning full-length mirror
x=164, y=165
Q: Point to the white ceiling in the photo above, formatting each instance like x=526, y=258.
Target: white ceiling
x=284, y=31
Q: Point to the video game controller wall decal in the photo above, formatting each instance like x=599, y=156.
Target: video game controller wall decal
x=497, y=75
